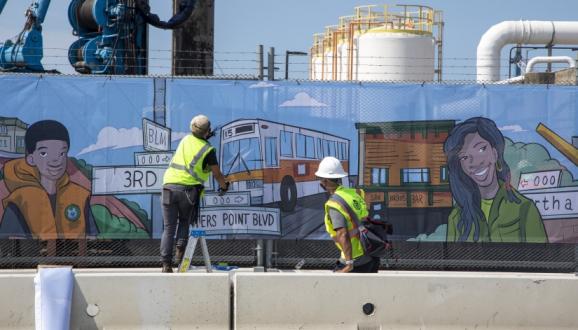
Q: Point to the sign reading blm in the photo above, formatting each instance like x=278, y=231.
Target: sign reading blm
x=242, y=220
x=155, y=136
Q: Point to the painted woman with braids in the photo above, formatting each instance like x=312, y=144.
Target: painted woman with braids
x=488, y=208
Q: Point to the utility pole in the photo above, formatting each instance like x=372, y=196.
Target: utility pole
x=193, y=43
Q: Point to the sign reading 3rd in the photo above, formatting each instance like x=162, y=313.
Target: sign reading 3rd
x=155, y=136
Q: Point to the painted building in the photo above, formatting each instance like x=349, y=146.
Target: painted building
x=12, y=132
x=403, y=169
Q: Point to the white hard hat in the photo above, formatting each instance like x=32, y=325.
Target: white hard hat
x=330, y=168
x=200, y=124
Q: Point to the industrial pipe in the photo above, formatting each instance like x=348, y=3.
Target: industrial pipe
x=519, y=32
x=550, y=59
x=186, y=8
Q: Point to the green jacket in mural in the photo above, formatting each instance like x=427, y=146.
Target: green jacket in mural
x=508, y=222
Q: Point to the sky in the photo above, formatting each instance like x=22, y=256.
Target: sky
x=289, y=25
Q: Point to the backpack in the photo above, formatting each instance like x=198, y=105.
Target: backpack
x=373, y=237
x=372, y=233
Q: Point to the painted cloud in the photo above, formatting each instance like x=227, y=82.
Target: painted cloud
x=302, y=99
x=512, y=128
x=115, y=138
x=263, y=84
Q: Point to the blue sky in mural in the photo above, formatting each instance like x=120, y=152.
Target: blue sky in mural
x=105, y=115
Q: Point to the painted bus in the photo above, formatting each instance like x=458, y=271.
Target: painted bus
x=276, y=162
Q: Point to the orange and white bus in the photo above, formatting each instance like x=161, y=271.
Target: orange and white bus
x=276, y=162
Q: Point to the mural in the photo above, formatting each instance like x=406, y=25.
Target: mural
x=85, y=157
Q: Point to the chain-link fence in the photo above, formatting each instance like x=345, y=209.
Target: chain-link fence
x=289, y=254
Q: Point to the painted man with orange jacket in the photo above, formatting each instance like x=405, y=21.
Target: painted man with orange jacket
x=43, y=202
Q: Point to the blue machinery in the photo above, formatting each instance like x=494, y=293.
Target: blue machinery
x=24, y=53
x=112, y=36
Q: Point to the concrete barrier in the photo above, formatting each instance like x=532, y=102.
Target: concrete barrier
x=17, y=301
x=405, y=300
x=127, y=301
x=151, y=301
x=305, y=300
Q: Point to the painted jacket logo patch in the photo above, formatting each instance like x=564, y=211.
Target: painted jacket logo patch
x=72, y=212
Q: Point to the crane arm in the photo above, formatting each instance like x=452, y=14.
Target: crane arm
x=25, y=52
x=2, y=4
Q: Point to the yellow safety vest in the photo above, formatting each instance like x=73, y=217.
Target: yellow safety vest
x=352, y=206
x=186, y=167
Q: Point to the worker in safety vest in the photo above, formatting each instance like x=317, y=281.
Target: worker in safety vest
x=343, y=212
x=183, y=186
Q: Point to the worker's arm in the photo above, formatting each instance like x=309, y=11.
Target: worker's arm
x=219, y=176
x=342, y=238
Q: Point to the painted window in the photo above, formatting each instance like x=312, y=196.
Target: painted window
x=241, y=155
x=379, y=176
x=286, y=144
x=271, y=152
x=444, y=175
x=320, y=148
x=305, y=146
x=415, y=175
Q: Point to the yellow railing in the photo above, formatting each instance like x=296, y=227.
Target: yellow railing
x=415, y=19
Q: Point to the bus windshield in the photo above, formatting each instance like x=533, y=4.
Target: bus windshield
x=243, y=155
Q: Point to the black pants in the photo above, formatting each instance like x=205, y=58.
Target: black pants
x=370, y=267
x=180, y=209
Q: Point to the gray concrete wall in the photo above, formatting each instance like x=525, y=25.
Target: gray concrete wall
x=17, y=301
x=127, y=301
x=406, y=300
x=304, y=300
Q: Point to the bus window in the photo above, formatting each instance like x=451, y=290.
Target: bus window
x=305, y=146
x=241, y=155
x=332, y=151
x=271, y=151
x=286, y=144
x=319, y=148
x=309, y=147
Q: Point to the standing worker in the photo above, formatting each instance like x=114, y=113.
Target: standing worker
x=343, y=212
x=183, y=186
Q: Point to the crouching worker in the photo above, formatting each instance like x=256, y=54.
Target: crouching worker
x=183, y=186
x=343, y=213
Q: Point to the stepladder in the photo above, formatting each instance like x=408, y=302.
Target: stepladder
x=194, y=237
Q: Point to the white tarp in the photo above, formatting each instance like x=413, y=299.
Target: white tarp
x=53, y=296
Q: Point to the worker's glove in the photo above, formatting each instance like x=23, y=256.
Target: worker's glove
x=222, y=190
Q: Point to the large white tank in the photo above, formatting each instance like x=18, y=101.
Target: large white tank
x=342, y=58
x=388, y=55
x=384, y=43
x=316, y=65
x=328, y=65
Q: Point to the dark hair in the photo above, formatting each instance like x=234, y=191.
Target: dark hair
x=464, y=190
x=45, y=130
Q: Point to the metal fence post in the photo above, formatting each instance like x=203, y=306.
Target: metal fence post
x=260, y=68
x=268, y=254
x=260, y=256
x=271, y=64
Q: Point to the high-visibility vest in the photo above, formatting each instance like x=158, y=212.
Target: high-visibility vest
x=352, y=206
x=186, y=167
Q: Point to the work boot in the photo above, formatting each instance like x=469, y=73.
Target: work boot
x=167, y=268
x=179, y=253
